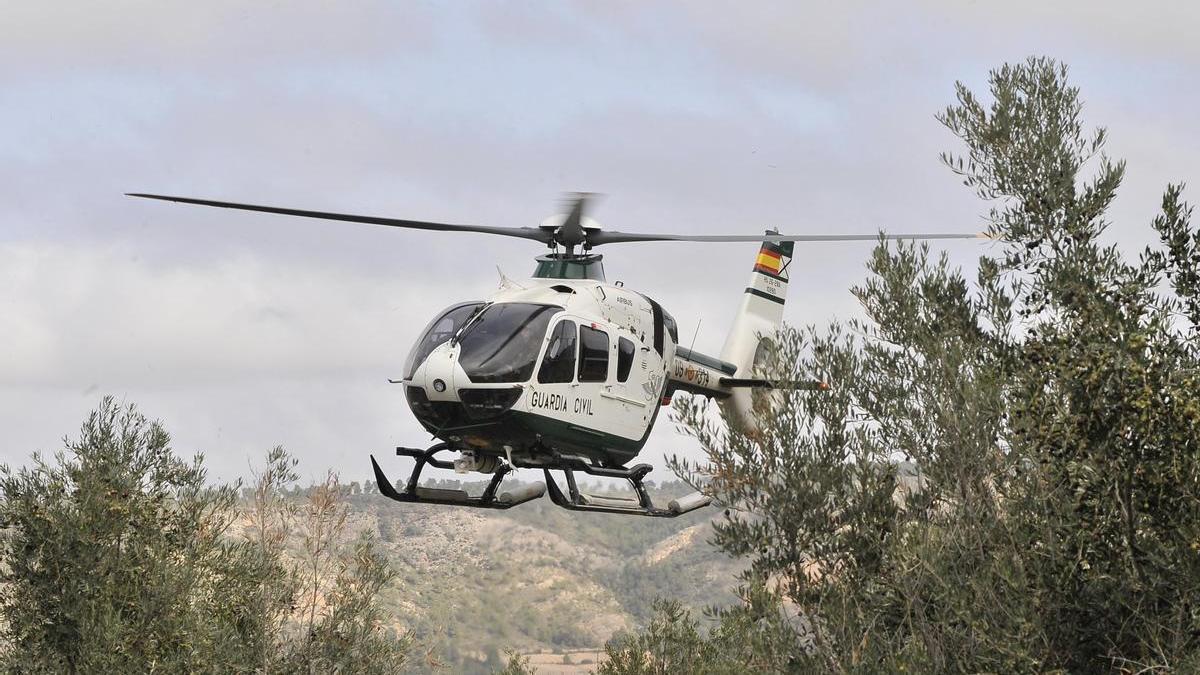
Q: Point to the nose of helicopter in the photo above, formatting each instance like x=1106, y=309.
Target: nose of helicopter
x=441, y=375
x=442, y=396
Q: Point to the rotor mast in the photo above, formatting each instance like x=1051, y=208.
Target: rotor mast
x=571, y=232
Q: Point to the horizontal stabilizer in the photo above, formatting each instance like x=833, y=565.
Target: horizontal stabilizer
x=815, y=385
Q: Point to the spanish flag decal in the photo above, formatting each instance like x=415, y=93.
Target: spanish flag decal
x=769, y=262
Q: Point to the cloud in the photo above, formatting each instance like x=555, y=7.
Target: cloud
x=104, y=318
x=171, y=38
x=234, y=355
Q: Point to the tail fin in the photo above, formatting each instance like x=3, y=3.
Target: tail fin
x=751, y=339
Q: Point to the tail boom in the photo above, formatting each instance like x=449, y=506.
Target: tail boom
x=751, y=341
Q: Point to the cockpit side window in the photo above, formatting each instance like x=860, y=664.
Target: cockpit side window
x=593, y=355
x=672, y=328
x=558, y=365
x=438, y=331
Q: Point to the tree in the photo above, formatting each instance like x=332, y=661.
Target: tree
x=752, y=638
x=1051, y=410
x=115, y=558
x=118, y=557
x=336, y=623
x=1103, y=407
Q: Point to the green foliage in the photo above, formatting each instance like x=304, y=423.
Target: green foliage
x=347, y=637
x=118, y=557
x=751, y=638
x=1052, y=410
x=1103, y=408
x=115, y=560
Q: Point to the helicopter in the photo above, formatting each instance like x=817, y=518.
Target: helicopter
x=566, y=372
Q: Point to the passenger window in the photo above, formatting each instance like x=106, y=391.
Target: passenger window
x=559, y=363
x=624, y=358
x=593, y=355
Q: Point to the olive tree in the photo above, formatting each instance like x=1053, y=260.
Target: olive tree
x=118, y=556
x=1005, y=472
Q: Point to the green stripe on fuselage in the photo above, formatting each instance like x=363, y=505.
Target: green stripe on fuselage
x=566, y=436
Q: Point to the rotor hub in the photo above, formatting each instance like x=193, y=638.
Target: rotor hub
x=569, y=232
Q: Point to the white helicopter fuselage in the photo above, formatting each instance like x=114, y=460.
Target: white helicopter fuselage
x=605, y=399
x=552, y=366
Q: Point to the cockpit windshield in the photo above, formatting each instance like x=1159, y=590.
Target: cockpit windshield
x=502, y=344
x=438, y=331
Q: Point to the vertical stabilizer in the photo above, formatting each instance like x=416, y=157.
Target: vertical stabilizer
x=751, y=339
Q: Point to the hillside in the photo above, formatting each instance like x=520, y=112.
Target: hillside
x=473, y=582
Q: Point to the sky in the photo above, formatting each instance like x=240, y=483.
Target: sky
x=243, y=331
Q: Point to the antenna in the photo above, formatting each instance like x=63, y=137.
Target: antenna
x=693, y=345
x=505, y=282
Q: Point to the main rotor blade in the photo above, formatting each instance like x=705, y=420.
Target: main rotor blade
x=597, y=237
x=523, y=232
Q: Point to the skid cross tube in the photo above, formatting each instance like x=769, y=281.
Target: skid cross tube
x=414, y=493
x=575, y=500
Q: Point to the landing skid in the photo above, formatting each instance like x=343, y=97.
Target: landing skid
x=574, y=499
